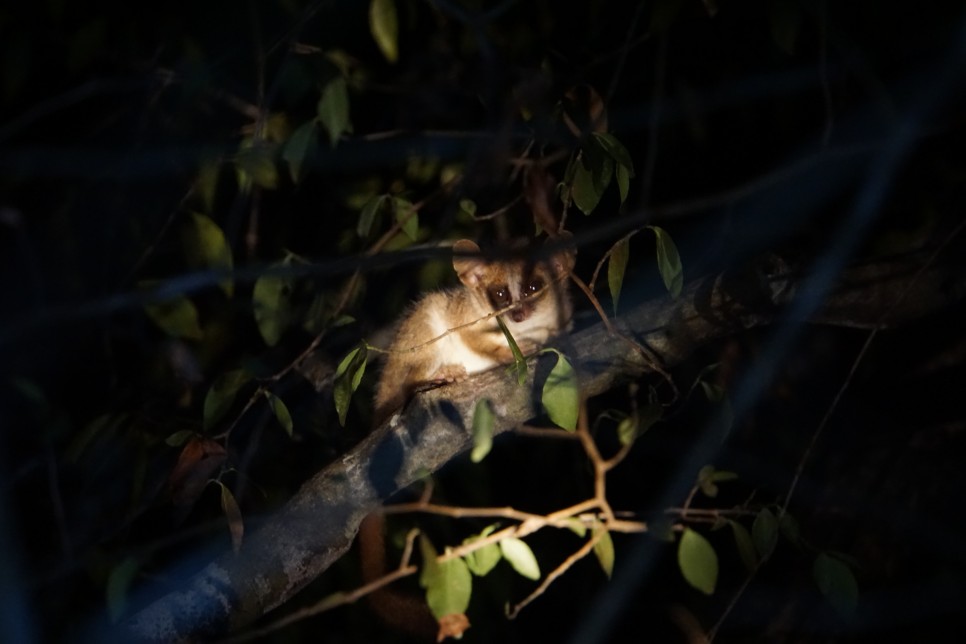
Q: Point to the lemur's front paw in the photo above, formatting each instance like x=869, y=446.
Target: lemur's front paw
x=449, y=373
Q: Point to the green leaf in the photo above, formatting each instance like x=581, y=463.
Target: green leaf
x=837, y=583
x=430, y=565
x=407, y=217
x=348, y=375
x=272, y=303
x=520, y=557
x=280, y=410
x=368, y=214
x=668, y=261
x=384, y=27
x=561, y=396
x=118, y=582
x=615, y=150
x=764, y=532
x=746, y=547
x=623, y=177
x=178, y=318
x=481, y=562
x=483, y=421
x=448, y=584
x=603, y=174
x=627, y=430
x=333, y=109
x=207, y=183
x=178, y=438
x=205, y=247
x=236, y=526
x=300, y=146
x=584, y=190
x=604, y=550
x=468, y=206
x=616, y=266
x=705, y=482
x=450, y=592
x=708, y=478
x=576, y=526
x=519, y=362
x=788, y=526
x=255, y=163
x=221, y=395
x=698, y=561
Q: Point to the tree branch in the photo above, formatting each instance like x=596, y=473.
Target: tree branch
x=318, y=524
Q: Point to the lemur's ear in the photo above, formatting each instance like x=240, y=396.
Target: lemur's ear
x=470, y=269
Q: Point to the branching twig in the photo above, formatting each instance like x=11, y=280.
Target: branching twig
x=557, y=572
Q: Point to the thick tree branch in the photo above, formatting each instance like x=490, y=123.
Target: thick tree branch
x=319, y=523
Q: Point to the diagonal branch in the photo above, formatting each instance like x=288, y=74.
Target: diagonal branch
x=318, y=524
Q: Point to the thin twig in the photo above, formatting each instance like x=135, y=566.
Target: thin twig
x=557, y=572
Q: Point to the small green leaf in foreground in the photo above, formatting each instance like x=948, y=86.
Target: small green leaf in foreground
x=333, y=109
x=448, y=583
x=561, y=397
x=519, y=555
x=483, y=422
x=300, y=147
x=407, y=217
x=236, y=526
x=746, y=548
x=178, y=318
x=616, y=266
x=668, y=261
x=206, y=247
x=698, y=561
x=348, y=375
x=383, y=24
x=367, y=216
x=281, y=412
x=604, y=550
x=836, y=581
x=222, y=394
x=481, y=561
x=519, y=362
x=272, y=303
x=764, y=532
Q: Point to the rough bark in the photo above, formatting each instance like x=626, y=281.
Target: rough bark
x=319, y=523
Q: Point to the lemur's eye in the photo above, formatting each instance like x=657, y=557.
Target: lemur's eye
x=533, y=287
x=500, y=296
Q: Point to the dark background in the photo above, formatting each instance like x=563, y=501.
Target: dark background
x=820, y=131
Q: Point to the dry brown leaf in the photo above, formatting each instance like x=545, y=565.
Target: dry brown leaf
x=452, y=626
x=198, y=460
